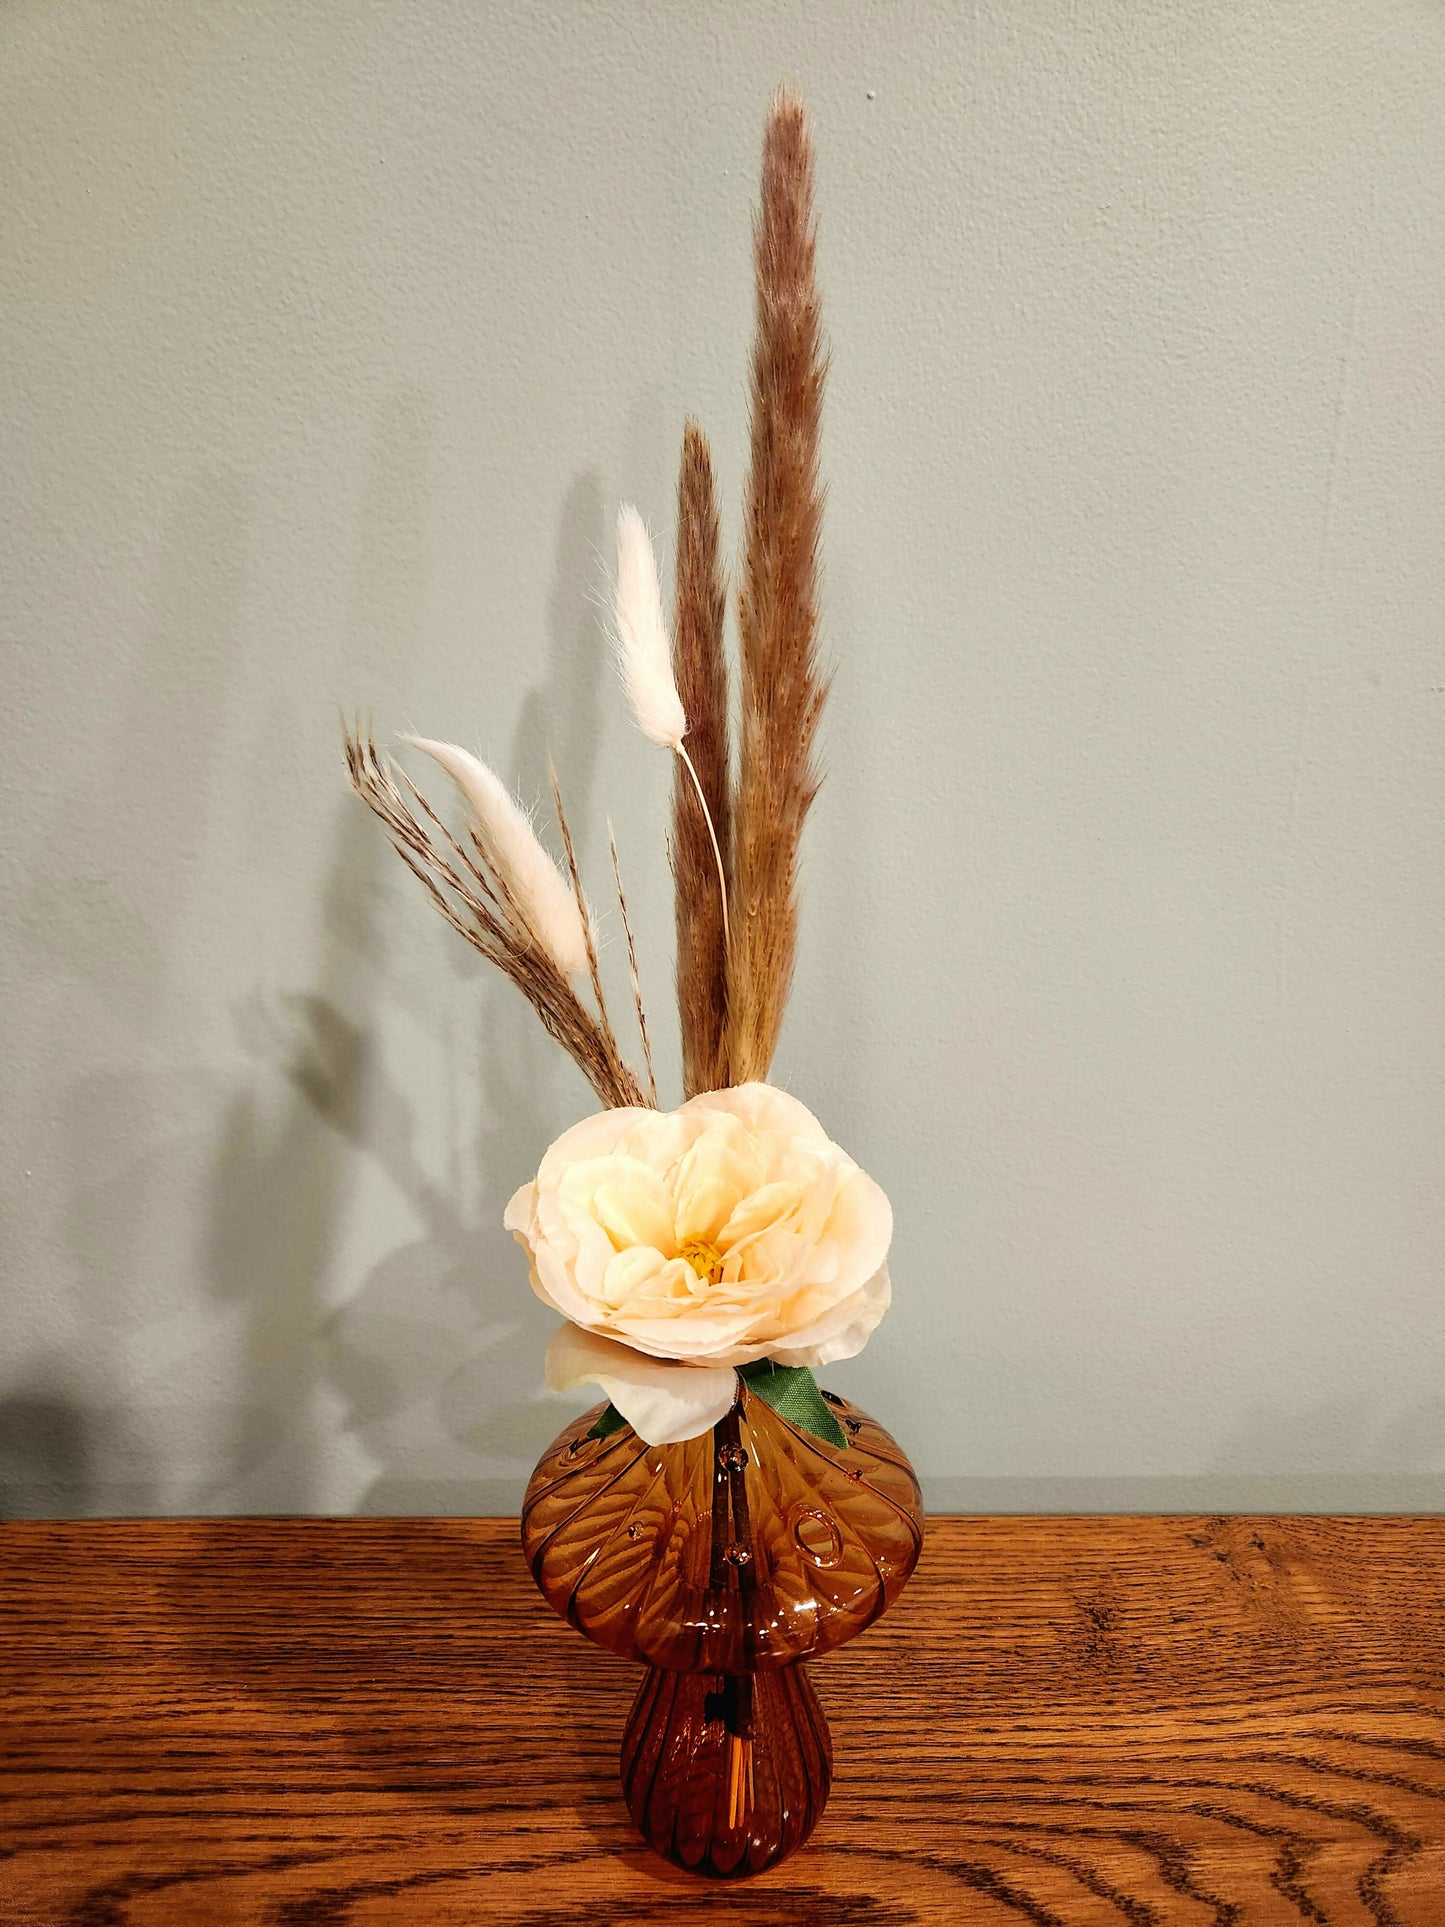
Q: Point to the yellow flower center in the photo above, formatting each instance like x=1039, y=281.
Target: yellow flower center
x=705, y=1259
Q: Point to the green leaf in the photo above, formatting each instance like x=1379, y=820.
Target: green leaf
x=611, y=1421
x=793, y=1393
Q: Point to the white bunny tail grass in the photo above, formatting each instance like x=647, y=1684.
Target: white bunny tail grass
x=534, y=886
x=644, y=654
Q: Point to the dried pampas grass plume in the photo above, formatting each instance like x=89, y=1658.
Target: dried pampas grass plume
x=736, y=943
x=697, y=833
x=783, y=689
x=544, y=899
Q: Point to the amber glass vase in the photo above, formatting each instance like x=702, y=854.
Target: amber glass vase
x=722, y=1564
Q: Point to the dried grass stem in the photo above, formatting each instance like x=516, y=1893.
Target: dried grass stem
x=783, y=689
x=477, y=903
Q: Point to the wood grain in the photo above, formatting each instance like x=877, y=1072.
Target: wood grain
x=341, y=1723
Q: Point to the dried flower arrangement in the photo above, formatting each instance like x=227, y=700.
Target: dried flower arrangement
x=730, y=1234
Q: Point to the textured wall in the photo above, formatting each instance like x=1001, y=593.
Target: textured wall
x=331, y=337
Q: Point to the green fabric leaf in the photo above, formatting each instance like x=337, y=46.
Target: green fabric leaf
x=611, y=1421
x=793, y=1393
x=791, y=1390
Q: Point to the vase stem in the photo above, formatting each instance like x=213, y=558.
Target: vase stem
x=724, y=1773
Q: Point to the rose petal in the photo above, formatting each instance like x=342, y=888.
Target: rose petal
x=842, y=1333
x=594, y=1137
x=633, y=1205
x=661, y=1138
x=628, y=1273
x=714, y=1177
x=861, y=1223
x=518, y=1215
x=554, y=1284
x=758, y=1212
x=763, y=1108
x=663, y=1403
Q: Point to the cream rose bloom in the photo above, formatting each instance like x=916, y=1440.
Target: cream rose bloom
x=682, y=1244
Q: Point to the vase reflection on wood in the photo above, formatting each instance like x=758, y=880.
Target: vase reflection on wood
x=722, y=1564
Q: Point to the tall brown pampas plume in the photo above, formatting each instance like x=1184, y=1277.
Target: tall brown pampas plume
x=701, y=671
x=734, y=843
x=782, y=688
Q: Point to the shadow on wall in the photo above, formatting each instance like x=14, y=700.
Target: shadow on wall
x=431, y=1368
x=46, y=1461
x=117, y=874
x=286, y=1178
x=447, y=1325
x=279, y=1194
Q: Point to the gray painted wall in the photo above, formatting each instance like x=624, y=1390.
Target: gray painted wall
x=332, y=336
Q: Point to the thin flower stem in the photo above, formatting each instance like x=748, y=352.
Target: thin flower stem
x=632, y=965
x=604, y=1021
x=722, y=881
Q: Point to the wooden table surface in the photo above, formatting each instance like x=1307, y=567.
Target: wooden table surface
x=341, y=1723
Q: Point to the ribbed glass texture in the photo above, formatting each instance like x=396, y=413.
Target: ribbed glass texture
x=722, y=1563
